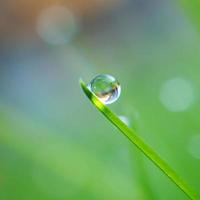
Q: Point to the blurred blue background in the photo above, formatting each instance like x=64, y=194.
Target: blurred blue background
x=54, y=145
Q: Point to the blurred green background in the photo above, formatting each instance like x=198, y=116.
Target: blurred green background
x=54, y=145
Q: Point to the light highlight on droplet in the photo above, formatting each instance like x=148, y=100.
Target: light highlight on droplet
x=106, y=88
x=177, y=94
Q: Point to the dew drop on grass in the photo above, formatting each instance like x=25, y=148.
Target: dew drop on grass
x=124, y=119
x=106, y=88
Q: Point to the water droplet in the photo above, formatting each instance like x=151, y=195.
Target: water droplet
x=124, y=119
x=106, y=88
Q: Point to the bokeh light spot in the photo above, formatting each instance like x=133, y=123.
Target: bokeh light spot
x=193, y=146
x=177, y=94
x=57, y=25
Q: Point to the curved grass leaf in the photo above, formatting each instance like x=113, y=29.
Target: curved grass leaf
x=140, y=144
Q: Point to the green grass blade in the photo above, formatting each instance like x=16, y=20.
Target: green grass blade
x=140, y=144
x=192, y=7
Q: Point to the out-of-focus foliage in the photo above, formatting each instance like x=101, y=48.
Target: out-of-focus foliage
x=192, y=9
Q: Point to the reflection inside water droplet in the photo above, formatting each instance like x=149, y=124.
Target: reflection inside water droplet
x=106, y=88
